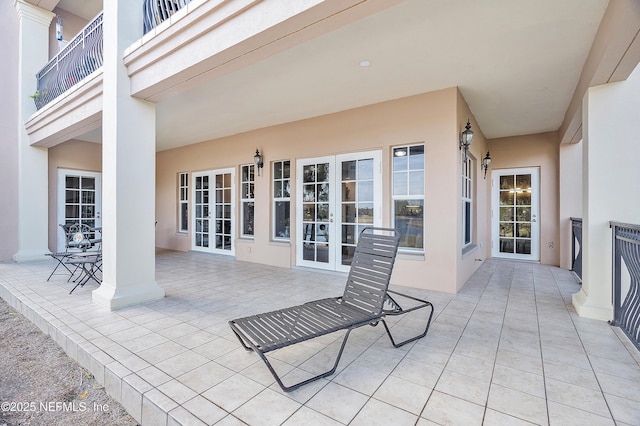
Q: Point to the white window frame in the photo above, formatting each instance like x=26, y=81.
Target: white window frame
x=247, y=196
x=183, y=201
x=467, y=199
x=408, y=195
x=283, y=181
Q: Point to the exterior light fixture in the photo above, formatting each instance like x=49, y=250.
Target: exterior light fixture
x=257, y=158
x=466, y=137
x=486, y=162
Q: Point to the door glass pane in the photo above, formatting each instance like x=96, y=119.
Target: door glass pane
x=316, y=199
x=223, y=212
x=506, y=182
x=88, y=183
x=72, y=182
x=515, y=214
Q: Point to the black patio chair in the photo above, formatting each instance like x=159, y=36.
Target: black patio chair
x=366, y=301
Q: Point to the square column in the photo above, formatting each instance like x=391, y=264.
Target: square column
x=610, y=185
x=33, y=162
x=128, y=171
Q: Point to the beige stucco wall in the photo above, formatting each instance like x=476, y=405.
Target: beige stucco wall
x=470, y=259
x=8, y=131
x=431, y=118
x=539, y=150
x=74, y=155
x=71, y=26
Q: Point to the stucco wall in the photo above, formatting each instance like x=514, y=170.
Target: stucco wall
x=472, y=257
x=71, y=26
x=74, y=155
x=430, y=118
x=539, y=150
x=8, y=131
x=570, y=196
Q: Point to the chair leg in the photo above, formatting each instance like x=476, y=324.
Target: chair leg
x=60, y=260
x=251, y=347
x=400, y=311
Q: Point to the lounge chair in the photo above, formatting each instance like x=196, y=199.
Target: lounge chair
x=366, y=301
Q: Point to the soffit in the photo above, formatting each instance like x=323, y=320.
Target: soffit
x=516, y=63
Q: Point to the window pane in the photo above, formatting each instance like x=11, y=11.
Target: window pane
x=467, y=223
x=88, y=183
x=282, y=212
x=349, y=213
x=277, y=170
x=277, y=189
x=247, y=215
x=184, y=218
x=409, y=220
x=286, y=189
x=309, y=173
x=72, y=196
x=349, y=170
x=416, y=157
x=365, y=191
x=72, y=182
x=416, y=183
x=400, y=183
x=348, y=191
x=506, y=182
x=365, y=169
x=365, y=213
x=400, y=161
x=286, y=170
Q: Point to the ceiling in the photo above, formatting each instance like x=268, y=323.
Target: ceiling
x=516, y=63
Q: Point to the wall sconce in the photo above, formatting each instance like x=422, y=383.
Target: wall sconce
x=466, y=137
x=258, y=160
x=486, y=162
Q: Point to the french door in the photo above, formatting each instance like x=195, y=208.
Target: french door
x=337, y=197
x=515, y=214
x=213, y=218
x=79, y=200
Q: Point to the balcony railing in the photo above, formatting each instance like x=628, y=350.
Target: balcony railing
x=626, y=248
x=576, y=246
x=157, y=11
x=81, y=57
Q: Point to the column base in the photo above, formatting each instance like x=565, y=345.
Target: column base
x=585, y=307
x=31, y=254
x=114, y=298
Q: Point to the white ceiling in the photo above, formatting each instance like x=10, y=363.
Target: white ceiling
x=516, y=63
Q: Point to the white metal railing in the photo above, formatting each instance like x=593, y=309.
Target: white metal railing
x=157, y=11
x=81, y=57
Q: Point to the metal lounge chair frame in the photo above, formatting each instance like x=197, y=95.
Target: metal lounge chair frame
x=366, y=301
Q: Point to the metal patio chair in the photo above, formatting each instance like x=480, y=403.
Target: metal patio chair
x=366, y=301
x=71, y=247
x=89, y=258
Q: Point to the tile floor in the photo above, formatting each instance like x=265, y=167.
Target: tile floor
x=508, y=349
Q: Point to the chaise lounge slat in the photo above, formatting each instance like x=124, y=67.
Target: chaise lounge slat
x=366, y=301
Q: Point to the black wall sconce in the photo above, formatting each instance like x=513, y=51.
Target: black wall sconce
x=466, y=137
x=257, y=158
x=486, y=162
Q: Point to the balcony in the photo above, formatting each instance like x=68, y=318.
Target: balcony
x=81, y=57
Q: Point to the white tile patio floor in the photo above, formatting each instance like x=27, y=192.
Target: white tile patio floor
x=508, y=349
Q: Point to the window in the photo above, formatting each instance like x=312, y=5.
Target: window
x=247, y=198
x=467, y=201
x=408, y=195
x=281, y=200
x=183, y=202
